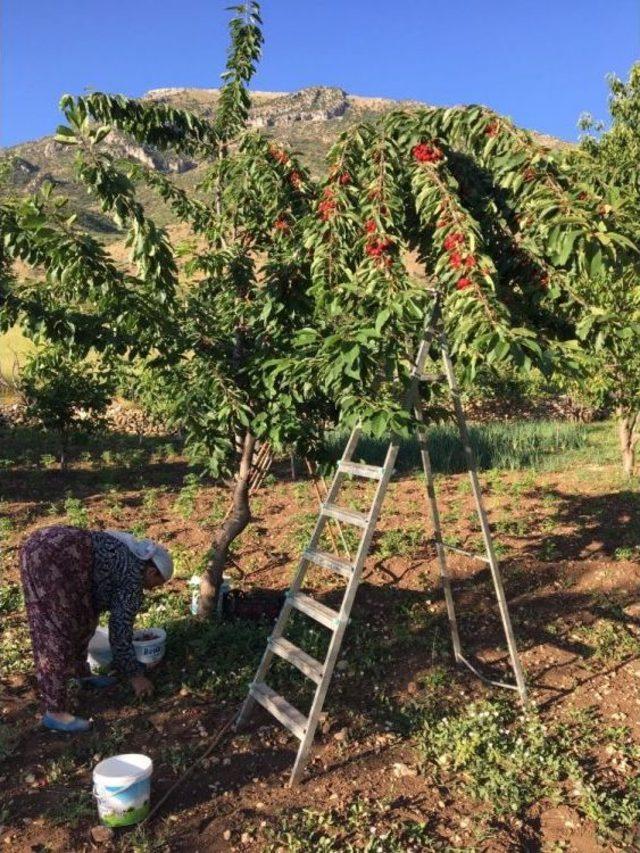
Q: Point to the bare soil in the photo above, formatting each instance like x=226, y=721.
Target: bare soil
x=567, y=543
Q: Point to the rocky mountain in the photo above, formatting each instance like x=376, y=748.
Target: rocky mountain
x=308, y=121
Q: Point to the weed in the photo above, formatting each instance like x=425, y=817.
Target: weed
x=76, y=512
x=397, y=543
x=185, y=503
x=15, y=646
x=627, y=553
x=610, y=642
x=178, y=757
x=492, y=753
x=10, y=598
x=9, y=736
x=139, y=529
x=362, y=824
x=304, y=523
x=48, y=460
x=150, y=501
x=512, y=527
x=114, y=503
x=6, y=527
x=76, y=807
x=548, y=551
x=60, y=769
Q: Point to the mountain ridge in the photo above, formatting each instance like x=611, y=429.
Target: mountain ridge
x=308, y=120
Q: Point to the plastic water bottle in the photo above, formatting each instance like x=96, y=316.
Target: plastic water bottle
x=194, y=584
x=225, y=586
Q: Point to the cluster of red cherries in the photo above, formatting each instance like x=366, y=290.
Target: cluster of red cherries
x=377, y=247
x=453, y=244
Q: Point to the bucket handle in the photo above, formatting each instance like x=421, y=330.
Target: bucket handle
x=117, y=792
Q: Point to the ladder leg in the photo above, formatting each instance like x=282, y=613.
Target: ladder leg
x=345, y=610
x=484, y=521
x=437, y=532
x=285, y=613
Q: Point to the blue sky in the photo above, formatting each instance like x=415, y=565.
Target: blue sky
x=542, y=62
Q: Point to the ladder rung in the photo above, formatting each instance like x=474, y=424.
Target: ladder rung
x=282, y=710
x=312, y=668
x=433, y=377
x=349, y=516
x=373, y=472
x=320, y=612
x=329, y=561
x=466, y=553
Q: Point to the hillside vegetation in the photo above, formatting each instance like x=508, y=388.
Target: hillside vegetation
x=309, y=121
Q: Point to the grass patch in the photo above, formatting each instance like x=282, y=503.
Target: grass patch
x=508, y=760
x=362, y=824
x=539, y=445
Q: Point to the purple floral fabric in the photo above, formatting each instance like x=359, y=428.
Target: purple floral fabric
x=56, y=565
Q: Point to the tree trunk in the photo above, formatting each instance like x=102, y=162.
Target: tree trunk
x=628, y=437
x=231, y=528
x=64, y=444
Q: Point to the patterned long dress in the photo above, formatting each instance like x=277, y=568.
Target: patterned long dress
x=69, y=577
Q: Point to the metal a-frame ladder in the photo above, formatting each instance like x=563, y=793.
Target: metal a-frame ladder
x=304, y=727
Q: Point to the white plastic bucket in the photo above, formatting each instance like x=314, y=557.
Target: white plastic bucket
x=99, y=651
x=149, y=652
x=122, y=788
x=149, y=644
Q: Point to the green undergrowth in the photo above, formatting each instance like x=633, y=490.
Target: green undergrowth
x=540, y=445
x=362, y=824
x=509, y=760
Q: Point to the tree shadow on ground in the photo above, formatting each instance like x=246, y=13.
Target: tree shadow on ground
x=398, y=639
x=593, y=526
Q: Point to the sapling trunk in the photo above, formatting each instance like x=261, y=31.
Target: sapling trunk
x=64, y=443
x=627, y=422
x=231, y=528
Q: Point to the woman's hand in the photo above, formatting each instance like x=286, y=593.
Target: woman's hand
x=142, y=686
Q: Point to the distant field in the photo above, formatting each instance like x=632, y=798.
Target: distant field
x=12, y=345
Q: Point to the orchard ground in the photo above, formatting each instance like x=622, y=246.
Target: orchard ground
x=412, y=754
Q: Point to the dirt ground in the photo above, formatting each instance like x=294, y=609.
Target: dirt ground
x=413, y=753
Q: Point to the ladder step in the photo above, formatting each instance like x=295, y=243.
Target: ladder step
x=329, y=561
x=373, y=472
x=349, y=516
x=320, y=612
x=309, y=666
x=282, y=710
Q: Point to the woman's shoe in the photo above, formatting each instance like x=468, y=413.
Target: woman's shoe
x=99, y=681
x=76, y=724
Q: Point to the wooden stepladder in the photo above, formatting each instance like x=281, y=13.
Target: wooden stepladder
x=320, y=672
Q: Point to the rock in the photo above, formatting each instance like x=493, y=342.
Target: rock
x=400, y=769
x=227, y=835
x=101, y=834
x=158, y=722
x=342, y=736
x=245, y=838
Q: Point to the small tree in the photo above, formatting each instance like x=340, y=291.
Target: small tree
x=609, y=326
x=65, y=395
x=217, y=335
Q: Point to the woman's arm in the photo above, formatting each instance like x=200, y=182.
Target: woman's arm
x=122, y=616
